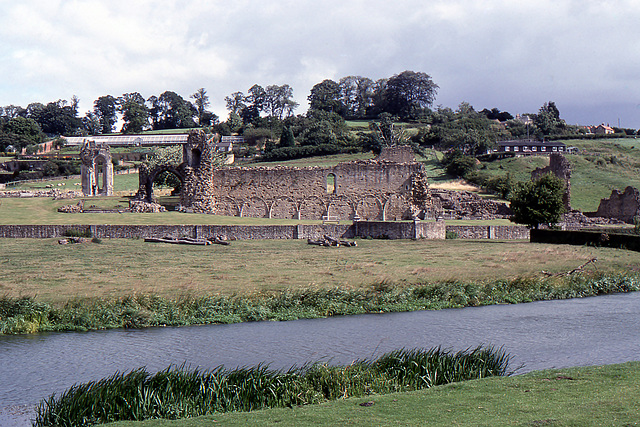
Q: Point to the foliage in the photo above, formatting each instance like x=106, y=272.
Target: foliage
x=408, y=94
x=57, y=167
x=287, y=139
x=135, y=113
x=326, y=96
x=458, y=164
x=26, y=127
x=538, y=202
x=201, y=100
x=105, y=108
x=171, y=111
x=179, y=393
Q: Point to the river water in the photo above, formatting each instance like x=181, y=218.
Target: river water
x=538, y=335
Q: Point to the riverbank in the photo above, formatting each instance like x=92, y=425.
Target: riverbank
x=592, y=396
x=28, y=315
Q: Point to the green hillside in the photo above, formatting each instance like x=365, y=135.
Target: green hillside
x=601, y=166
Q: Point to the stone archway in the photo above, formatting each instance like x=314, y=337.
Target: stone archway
x=97, y=169
x=147, y=177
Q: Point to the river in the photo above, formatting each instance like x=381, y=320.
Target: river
x=538, y=335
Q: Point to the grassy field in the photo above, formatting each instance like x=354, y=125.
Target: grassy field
x=113, y=268
x=590, y=396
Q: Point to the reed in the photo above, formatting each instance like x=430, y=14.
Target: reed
x=25, y=315
x=177, y=392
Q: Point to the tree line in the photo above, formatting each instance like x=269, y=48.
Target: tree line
x=265, y=117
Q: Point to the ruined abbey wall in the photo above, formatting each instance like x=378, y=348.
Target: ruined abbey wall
x=370, y=190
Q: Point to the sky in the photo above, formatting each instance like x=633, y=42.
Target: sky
x=584, y=55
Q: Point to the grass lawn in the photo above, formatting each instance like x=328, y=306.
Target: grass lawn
x=113, y=268
x=590, y=396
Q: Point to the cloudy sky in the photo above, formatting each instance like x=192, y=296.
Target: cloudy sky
x=514, y=55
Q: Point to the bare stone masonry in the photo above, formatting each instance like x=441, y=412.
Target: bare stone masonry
x=623, y=206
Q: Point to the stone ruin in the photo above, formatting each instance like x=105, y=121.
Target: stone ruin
x=392, y=187
x=96, y=169
x=623, y=206
x=560, y=167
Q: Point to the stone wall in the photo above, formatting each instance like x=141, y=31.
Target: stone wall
x=623, y=206
x=499, y=232
x=370, y=190
x=390, y=230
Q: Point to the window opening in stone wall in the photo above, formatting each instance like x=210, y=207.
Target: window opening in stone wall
x=195, y=155
x=331, y=184
x=100, y=174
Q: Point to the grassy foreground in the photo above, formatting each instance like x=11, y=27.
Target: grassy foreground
x=592, y=396
x=56, y=273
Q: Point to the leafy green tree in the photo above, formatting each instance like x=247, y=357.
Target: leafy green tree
x=278, y=102
x=173, y=112
x=548, y=119
x=326, y=96
x=56, y=118
x=201, y=101
x=408, y=94
x=287, y=139
x=105, y=108
x=236, y=102
x=134, y=112
x=357, y=96
x=458, y=164
x=538, y=202
x=25, y=127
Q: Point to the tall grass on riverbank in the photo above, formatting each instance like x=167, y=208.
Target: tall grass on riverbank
x=25, y=315
x=179, y=393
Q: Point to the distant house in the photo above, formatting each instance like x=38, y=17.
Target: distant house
x=531, y=146
x=603, y=130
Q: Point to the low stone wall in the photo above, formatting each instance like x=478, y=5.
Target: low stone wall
x=389, y=230
x=499, y=232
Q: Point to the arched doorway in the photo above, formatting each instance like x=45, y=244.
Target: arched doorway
x=168, y=182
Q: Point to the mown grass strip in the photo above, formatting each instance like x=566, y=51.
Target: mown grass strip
x=26, y=315
x=179, y=393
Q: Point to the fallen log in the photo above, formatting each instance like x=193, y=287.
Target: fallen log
x=182, y=241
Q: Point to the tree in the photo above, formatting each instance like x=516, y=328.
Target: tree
x=105, y=108
x=287, y=139
x=538, y=202
x=548, y=120
x=407, y=94
x=56, y=118
x=235, y=102
x=357, y=95
x=277, y=101
x=326, y=96
x=201, y=101
x=25, y=127
x=173, y=112
x=134, y=112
